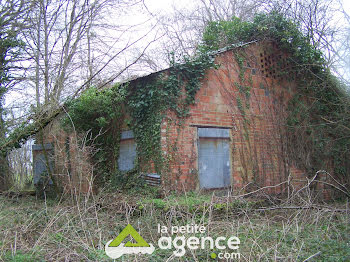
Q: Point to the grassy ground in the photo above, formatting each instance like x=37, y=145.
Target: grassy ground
x=72, y=230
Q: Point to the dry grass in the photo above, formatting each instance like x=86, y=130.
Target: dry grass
x=39, y=230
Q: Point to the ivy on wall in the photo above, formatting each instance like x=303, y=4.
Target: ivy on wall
x=318, y=119
x=150, y=99
x=147, y=101
x=97, y=114
x=317, y=114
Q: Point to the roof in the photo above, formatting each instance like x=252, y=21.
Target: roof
x=213, y=53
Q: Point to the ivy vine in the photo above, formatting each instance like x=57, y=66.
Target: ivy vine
x=97, y=115
x=152, y=97
x=146, y=101
x=319, y=111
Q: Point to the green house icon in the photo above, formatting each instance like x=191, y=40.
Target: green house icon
x=129, y=230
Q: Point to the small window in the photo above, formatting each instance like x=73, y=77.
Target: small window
x=127, y=151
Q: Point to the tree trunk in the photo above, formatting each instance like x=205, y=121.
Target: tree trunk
x=4, y=174
x=4, y=170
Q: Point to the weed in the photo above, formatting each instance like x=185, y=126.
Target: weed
x=78, y=231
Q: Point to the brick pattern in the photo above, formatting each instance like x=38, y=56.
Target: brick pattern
x=253, y=105
x=257, y=131
x=72, y=168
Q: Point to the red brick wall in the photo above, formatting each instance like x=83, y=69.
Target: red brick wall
x=73, y=171
x=258, y=156
x=258, y=152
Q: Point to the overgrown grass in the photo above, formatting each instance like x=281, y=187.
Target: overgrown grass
x=38, y=230
x=22, y=183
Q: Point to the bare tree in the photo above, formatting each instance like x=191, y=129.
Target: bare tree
x=320, y=20
x=12, y=14
x=20, y=165
x=71, y=45
x=55, y=32
x=215, y=10
x=183, y=27
x=341, y=56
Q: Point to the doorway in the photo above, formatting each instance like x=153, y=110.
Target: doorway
x=214, y=158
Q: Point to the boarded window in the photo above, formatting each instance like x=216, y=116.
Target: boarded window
x=214, y=157
x=127, y=151
x=43, y=163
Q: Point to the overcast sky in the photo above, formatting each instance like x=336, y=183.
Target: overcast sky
x=166, y=5
x=156, y=7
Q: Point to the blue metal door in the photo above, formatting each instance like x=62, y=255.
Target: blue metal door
x=127, y=155
x=214, y=158
x=127, y=151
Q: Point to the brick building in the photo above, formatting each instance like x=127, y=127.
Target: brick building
x=235, y=134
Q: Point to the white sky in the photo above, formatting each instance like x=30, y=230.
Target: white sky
x=346, y=5
x=166, y=5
